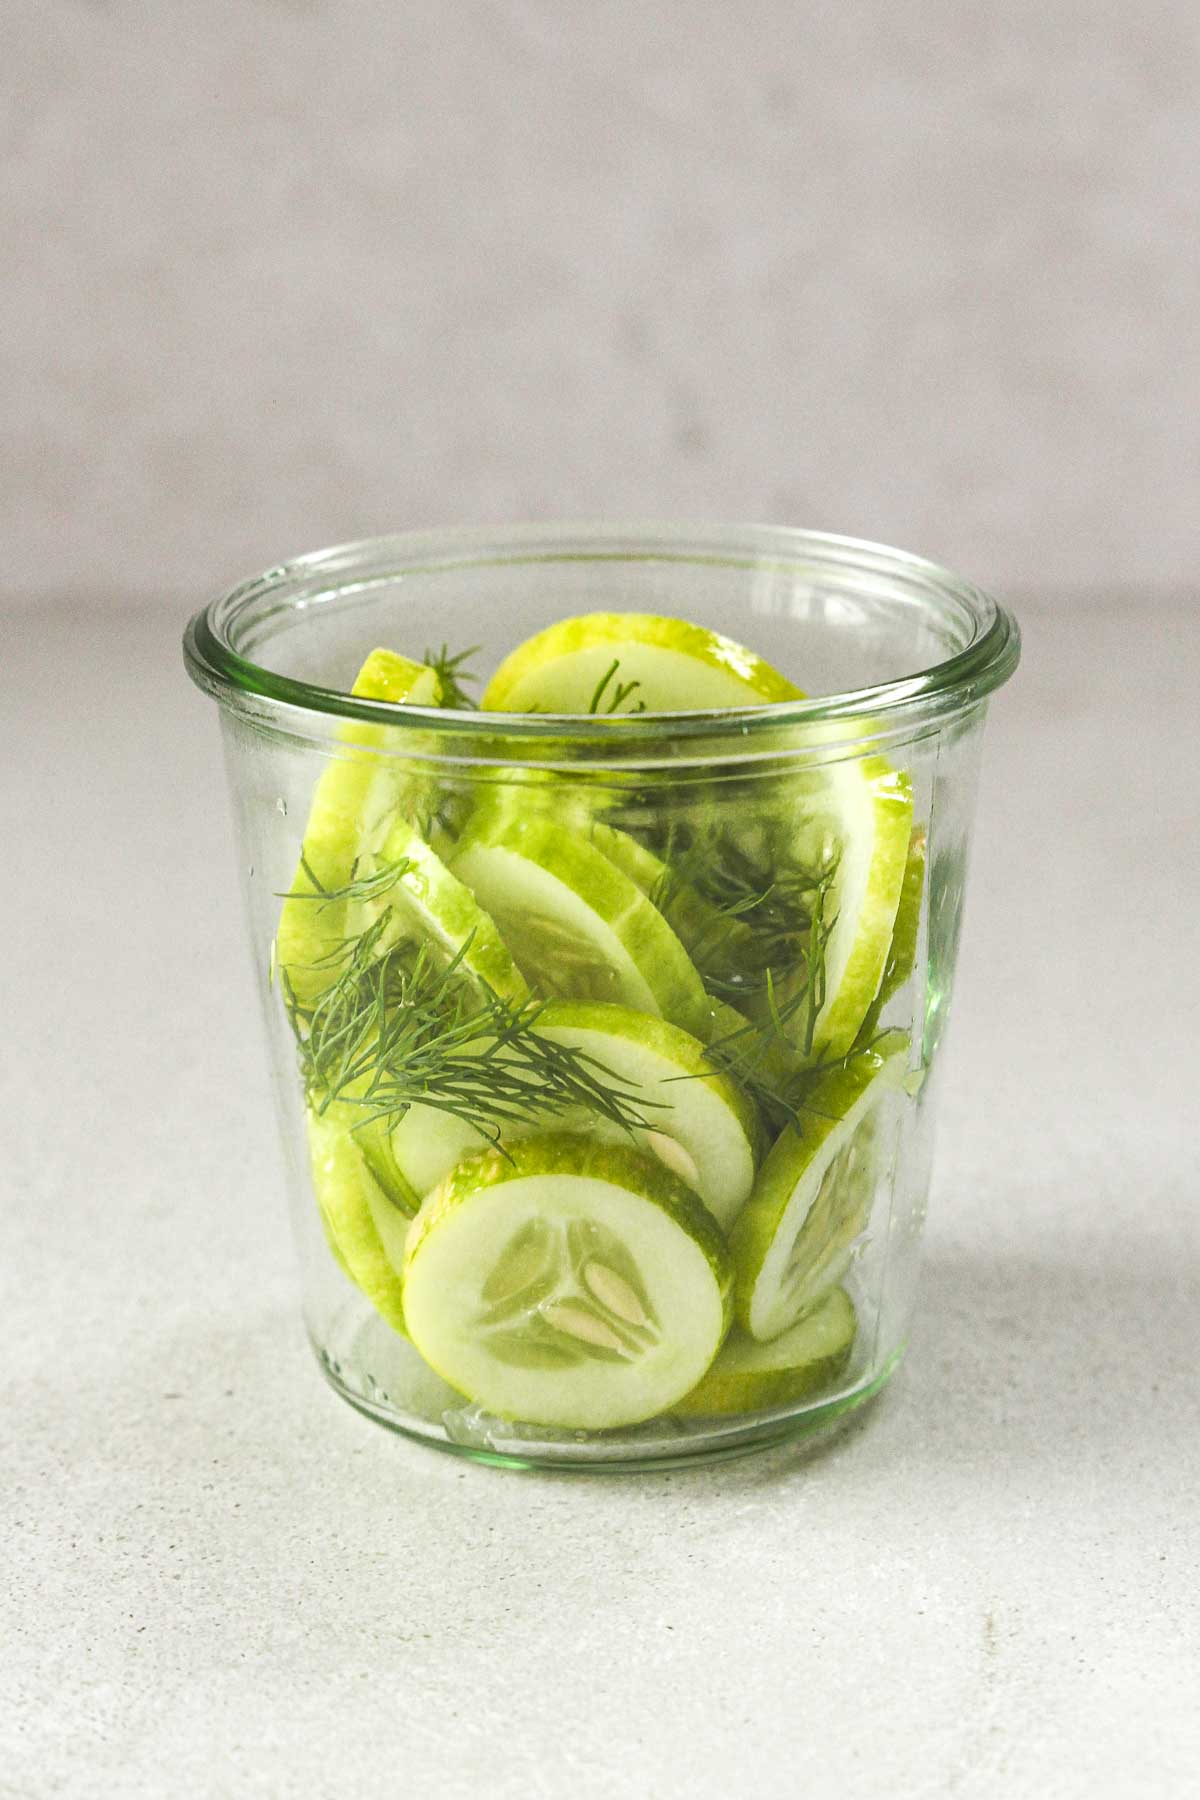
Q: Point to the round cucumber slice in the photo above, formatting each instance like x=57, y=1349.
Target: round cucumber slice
x=661, y=665
x=364, y=1229
x=567, y=1283
x=577, y=927
x=702, y=1127
x=351, y=811
x=794, y=1238
x=747, y=1375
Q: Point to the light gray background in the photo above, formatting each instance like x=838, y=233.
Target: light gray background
x=278, y=273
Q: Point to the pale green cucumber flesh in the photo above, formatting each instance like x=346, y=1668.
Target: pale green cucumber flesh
x=662, y=665
x=569, y=1284
x=794, y=1238
x=577, y=927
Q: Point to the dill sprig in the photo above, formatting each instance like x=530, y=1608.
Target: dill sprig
x=761, y=943
x=453, y=675
x=381, y=879
x=611, y=701
x=745, y=1055
x=399, y=1026
x=755, y=938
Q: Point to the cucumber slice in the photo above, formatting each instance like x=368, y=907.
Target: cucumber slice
x=717, y=943
x=577, y=927
x=902, y=956
x=794, y=1238
x=352, y=808
x=569, y=1283
x=701, y=1126
x=432, y=904
x=662, y=665
x=850, y=821
x=374, y=1140
x=360, y=1222
x=748, y=1375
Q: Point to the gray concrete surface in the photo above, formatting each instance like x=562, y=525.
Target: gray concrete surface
x=218, y=1581
x=282, y=272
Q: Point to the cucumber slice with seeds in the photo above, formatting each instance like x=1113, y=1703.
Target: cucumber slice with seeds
x=577, y=927
x=569, y=1283
x=747, y=1375
x=794, y=1238
x=701, y=1125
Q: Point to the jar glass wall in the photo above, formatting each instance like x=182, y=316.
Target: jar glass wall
x=606, y=1047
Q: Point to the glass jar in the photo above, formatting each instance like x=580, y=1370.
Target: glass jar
x=605, y=1046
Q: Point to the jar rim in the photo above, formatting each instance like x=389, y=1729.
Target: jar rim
x=948, y=687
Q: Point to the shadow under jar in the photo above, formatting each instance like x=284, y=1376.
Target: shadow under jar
x=605, y=1042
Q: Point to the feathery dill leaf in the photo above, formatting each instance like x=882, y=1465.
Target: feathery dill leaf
x=611, y=701
x=399, y=1026
x=454, y=676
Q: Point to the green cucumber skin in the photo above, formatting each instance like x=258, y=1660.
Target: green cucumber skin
x=375, y=1146
x=839, y=1022
x=902, y=954
x=342, y=1185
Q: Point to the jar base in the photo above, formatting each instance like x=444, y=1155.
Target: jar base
x=669, y=1442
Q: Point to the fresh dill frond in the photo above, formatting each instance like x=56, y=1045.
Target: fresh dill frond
x=761, y=943
x=453, y=676
x=609, y=702
x=400, y=1026
x=750, y=932
x=742, y=1054
x=373, y=886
